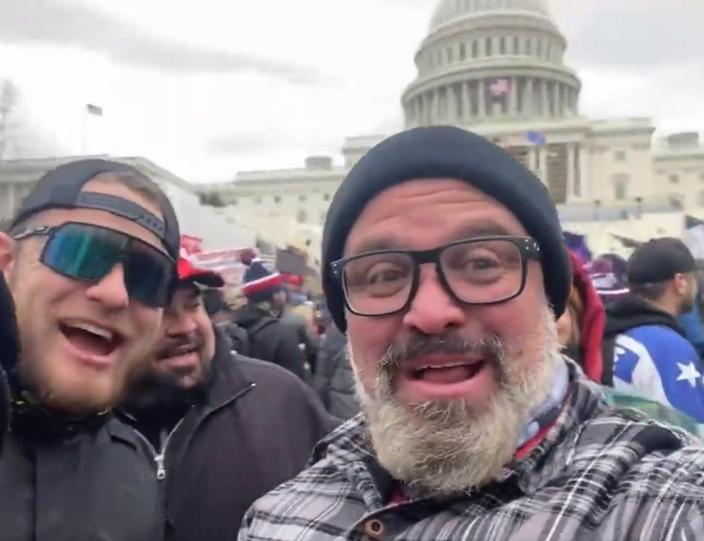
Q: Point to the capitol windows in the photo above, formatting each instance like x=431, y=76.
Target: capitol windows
x=539, y=49
x=502, y=46
x=620, y=156
x=277, y=199
x=548, y=52
x=475, y=49
x=302, y=216
x=463, y=51
x=529, y=46
x=674, y=179
x=326, y=197
x=488, y=47
x=516, y=45
x=449, y=55
x=301, y=198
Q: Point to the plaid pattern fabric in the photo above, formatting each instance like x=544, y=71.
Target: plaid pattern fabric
x=600, y=474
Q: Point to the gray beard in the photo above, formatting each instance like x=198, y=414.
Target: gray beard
x=446, y=447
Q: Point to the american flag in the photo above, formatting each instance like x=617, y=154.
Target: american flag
x=500, y=87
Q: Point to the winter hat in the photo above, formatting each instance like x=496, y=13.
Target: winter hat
x=259, y=284
x=608, y=273
x=442, y=152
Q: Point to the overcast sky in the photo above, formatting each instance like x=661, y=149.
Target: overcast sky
x=211, y=87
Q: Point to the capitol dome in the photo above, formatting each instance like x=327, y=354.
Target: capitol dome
x=489, y=61
x=449, y=11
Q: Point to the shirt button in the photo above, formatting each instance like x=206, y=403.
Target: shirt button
x=375, y=529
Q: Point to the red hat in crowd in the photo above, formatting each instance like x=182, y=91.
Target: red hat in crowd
x=188, y=271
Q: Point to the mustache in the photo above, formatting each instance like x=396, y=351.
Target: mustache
x=173, y=345
x=419, y=345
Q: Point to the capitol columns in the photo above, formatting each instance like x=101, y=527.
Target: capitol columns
x=435, y=109
x=571, y=173
x=513, y=99
x=544, y=89
x=482, y=98
x=529, y=97
x=466, y=102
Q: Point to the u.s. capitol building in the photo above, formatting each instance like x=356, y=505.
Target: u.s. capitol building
x=497, y=67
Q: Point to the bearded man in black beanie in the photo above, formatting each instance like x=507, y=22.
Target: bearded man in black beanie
x=9, y=351
x=444, y=263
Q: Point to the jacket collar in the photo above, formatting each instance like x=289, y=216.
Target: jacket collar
x=227, y=380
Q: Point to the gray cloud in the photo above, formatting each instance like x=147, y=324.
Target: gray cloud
x=56, y=22
x=634, y=34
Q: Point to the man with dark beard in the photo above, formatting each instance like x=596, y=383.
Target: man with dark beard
x=228, y=428
x=443, y=260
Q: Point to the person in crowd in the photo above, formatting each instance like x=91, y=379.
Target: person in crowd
x=90, y=262
x=650, y=353
x=610, y=277
x=290, y=306
x=270, y=339
x=693, y=321
x=334, y=379
x=580, y=331
x=222, y=316
x=444, y=263
x=228, y=428
x=9, y=352
x=580, y=328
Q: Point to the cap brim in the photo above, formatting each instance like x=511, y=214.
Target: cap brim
x=208, y=279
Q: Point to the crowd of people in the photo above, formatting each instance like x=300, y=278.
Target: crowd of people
x=472, y=378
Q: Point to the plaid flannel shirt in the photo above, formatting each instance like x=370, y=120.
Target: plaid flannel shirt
x=600, y=473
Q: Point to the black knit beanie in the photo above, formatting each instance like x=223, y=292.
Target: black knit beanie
x=444, y=152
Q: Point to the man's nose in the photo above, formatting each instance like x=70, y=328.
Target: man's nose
x=433, y=310
x=111, y=289
x=178, y=323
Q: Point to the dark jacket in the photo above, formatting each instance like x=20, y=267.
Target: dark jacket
x=256, y=429
x=309, y=342
x=272, y=340
x=334, y=379
x=97, y=485
x=9, y=350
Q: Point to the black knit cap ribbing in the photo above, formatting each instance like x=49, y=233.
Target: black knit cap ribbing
x=444, y=152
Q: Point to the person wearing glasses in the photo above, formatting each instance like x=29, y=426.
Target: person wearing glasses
x=90, y=262
x=443, y=261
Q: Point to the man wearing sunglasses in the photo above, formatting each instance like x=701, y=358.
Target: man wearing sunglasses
x=443, y=260
x=90, y=261
x=228, y=428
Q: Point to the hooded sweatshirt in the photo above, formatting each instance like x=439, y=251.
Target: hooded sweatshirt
x=652, y=357
x=591, y=328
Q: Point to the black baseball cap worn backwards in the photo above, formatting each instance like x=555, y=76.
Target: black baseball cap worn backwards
x=61, y=188
x=444, y=152
x=658, y=260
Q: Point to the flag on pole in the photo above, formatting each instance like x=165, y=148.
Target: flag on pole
x=499, y=88
x=94, y=109
x=536, y=137
x=693, y=236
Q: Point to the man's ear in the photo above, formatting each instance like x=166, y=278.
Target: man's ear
x=680, y=282
x=8, y=247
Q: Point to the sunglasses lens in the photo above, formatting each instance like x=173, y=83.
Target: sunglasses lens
x=149, y=275
x=83, y=252
x=89, y=253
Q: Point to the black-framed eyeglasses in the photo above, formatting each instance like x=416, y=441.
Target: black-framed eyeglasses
x=477, y=271
x=89, y=252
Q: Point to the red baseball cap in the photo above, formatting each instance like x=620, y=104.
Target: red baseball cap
x=187, y=271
